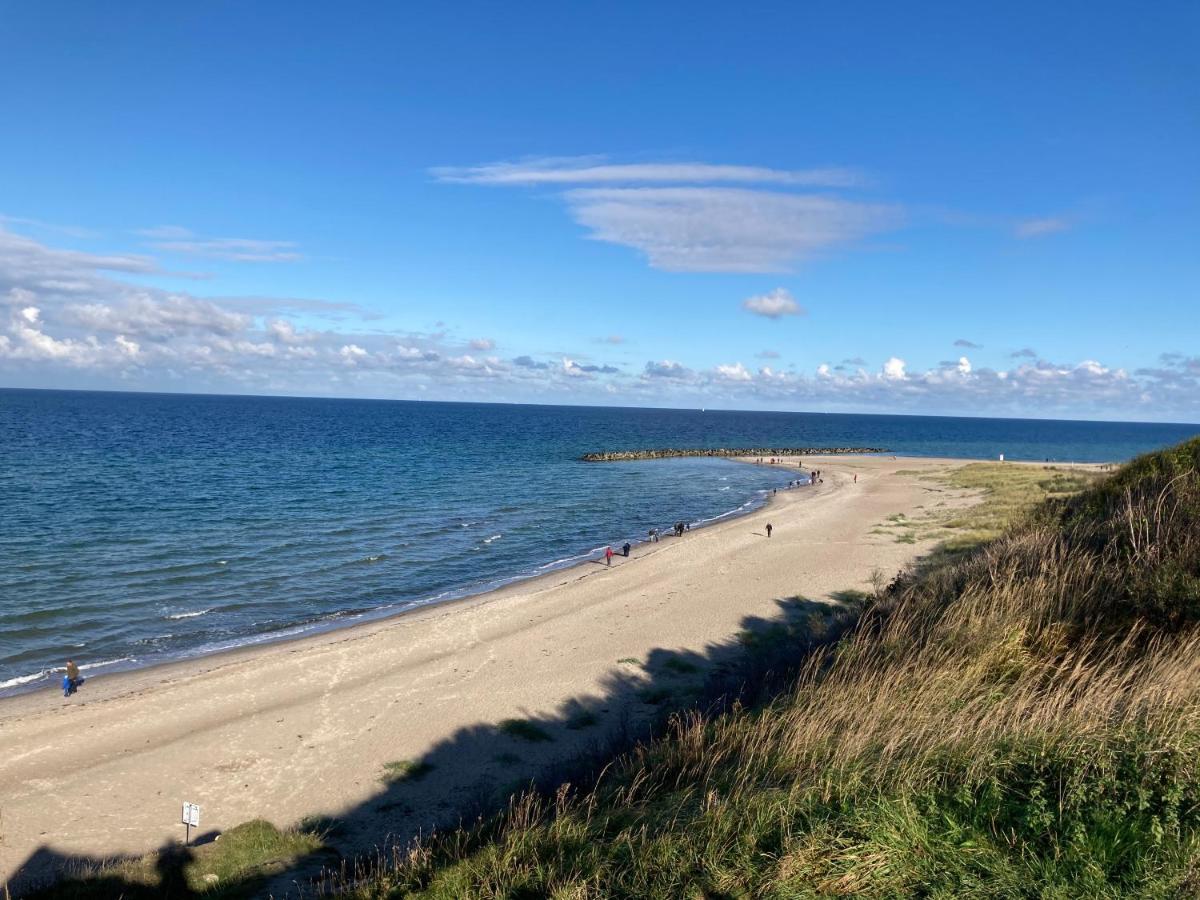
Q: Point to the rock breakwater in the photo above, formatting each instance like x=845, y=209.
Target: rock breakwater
x=625, y=455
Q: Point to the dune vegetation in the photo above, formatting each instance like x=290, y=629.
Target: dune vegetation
x=1019, y=720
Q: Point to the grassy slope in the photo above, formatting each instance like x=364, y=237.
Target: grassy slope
x=1019, y=721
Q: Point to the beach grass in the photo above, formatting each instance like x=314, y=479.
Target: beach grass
x=525, y=730
x=1021, y=720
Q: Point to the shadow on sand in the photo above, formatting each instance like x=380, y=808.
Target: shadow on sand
x=472, y=773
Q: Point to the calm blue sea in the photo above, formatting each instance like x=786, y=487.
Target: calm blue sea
x=137, y=528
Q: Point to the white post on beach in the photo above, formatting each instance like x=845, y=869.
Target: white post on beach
x=191, y=819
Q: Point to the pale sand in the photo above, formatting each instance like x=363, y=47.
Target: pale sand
x=305, y=728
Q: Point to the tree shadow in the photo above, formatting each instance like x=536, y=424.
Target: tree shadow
x=471, y=774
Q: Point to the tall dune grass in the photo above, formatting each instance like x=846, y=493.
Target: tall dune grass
x=1021, y=721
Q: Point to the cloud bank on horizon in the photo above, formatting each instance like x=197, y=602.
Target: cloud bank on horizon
x=74, y=319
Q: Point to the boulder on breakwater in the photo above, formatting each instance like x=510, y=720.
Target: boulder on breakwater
x=624, y=455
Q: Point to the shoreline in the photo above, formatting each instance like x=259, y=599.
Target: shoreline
x=305, y=727
x=343, y=622
x=48, y=680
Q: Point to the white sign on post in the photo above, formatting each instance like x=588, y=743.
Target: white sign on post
x=191, y=818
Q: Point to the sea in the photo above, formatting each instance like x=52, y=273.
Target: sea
x=137, y=529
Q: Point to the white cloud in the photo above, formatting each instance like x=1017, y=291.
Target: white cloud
x=128, y=347
x=775, y=305
x=668, y=369
x=964, y=365
x=157, y=316
x=595, y=170
x=735, y=372
x=482, y=344
x=29, y=265
x=573, y=369
x=823, y=371
x=1031, y=228
x=710, y=229
x=894, y=369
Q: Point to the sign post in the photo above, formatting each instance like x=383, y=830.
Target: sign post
x=191, y=819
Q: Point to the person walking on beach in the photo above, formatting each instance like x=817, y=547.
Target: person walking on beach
x=608, y=555
x=71, y=679
x=769, y=529
x=625, y=549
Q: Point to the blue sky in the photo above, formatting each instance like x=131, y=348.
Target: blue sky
x=938, y=208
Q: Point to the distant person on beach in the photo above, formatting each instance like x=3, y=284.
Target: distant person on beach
x=769, y=529
x=608, y=555
x=653, y=533
x=856, y=478
x=71, y=680
x=625, y=549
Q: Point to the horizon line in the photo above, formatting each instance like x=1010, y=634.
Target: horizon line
x=705, y=409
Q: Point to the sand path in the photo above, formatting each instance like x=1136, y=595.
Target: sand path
x=306, y=727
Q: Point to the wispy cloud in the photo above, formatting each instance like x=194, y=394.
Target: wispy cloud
x=969, y=345
x=577, y=170
x=1032, y=228
x=1024, y=353
x=711, y=229
x=176, y=239
x=686, y=217
x=774, y=305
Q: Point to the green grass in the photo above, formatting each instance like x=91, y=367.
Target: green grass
x=680, y=666
x=405, y=770
x=234, y=866
x=525, y=730
x=1022, y=720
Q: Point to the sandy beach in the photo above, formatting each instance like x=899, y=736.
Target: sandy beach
x=306, y=728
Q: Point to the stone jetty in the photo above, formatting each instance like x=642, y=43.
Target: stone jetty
x=624, y=455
